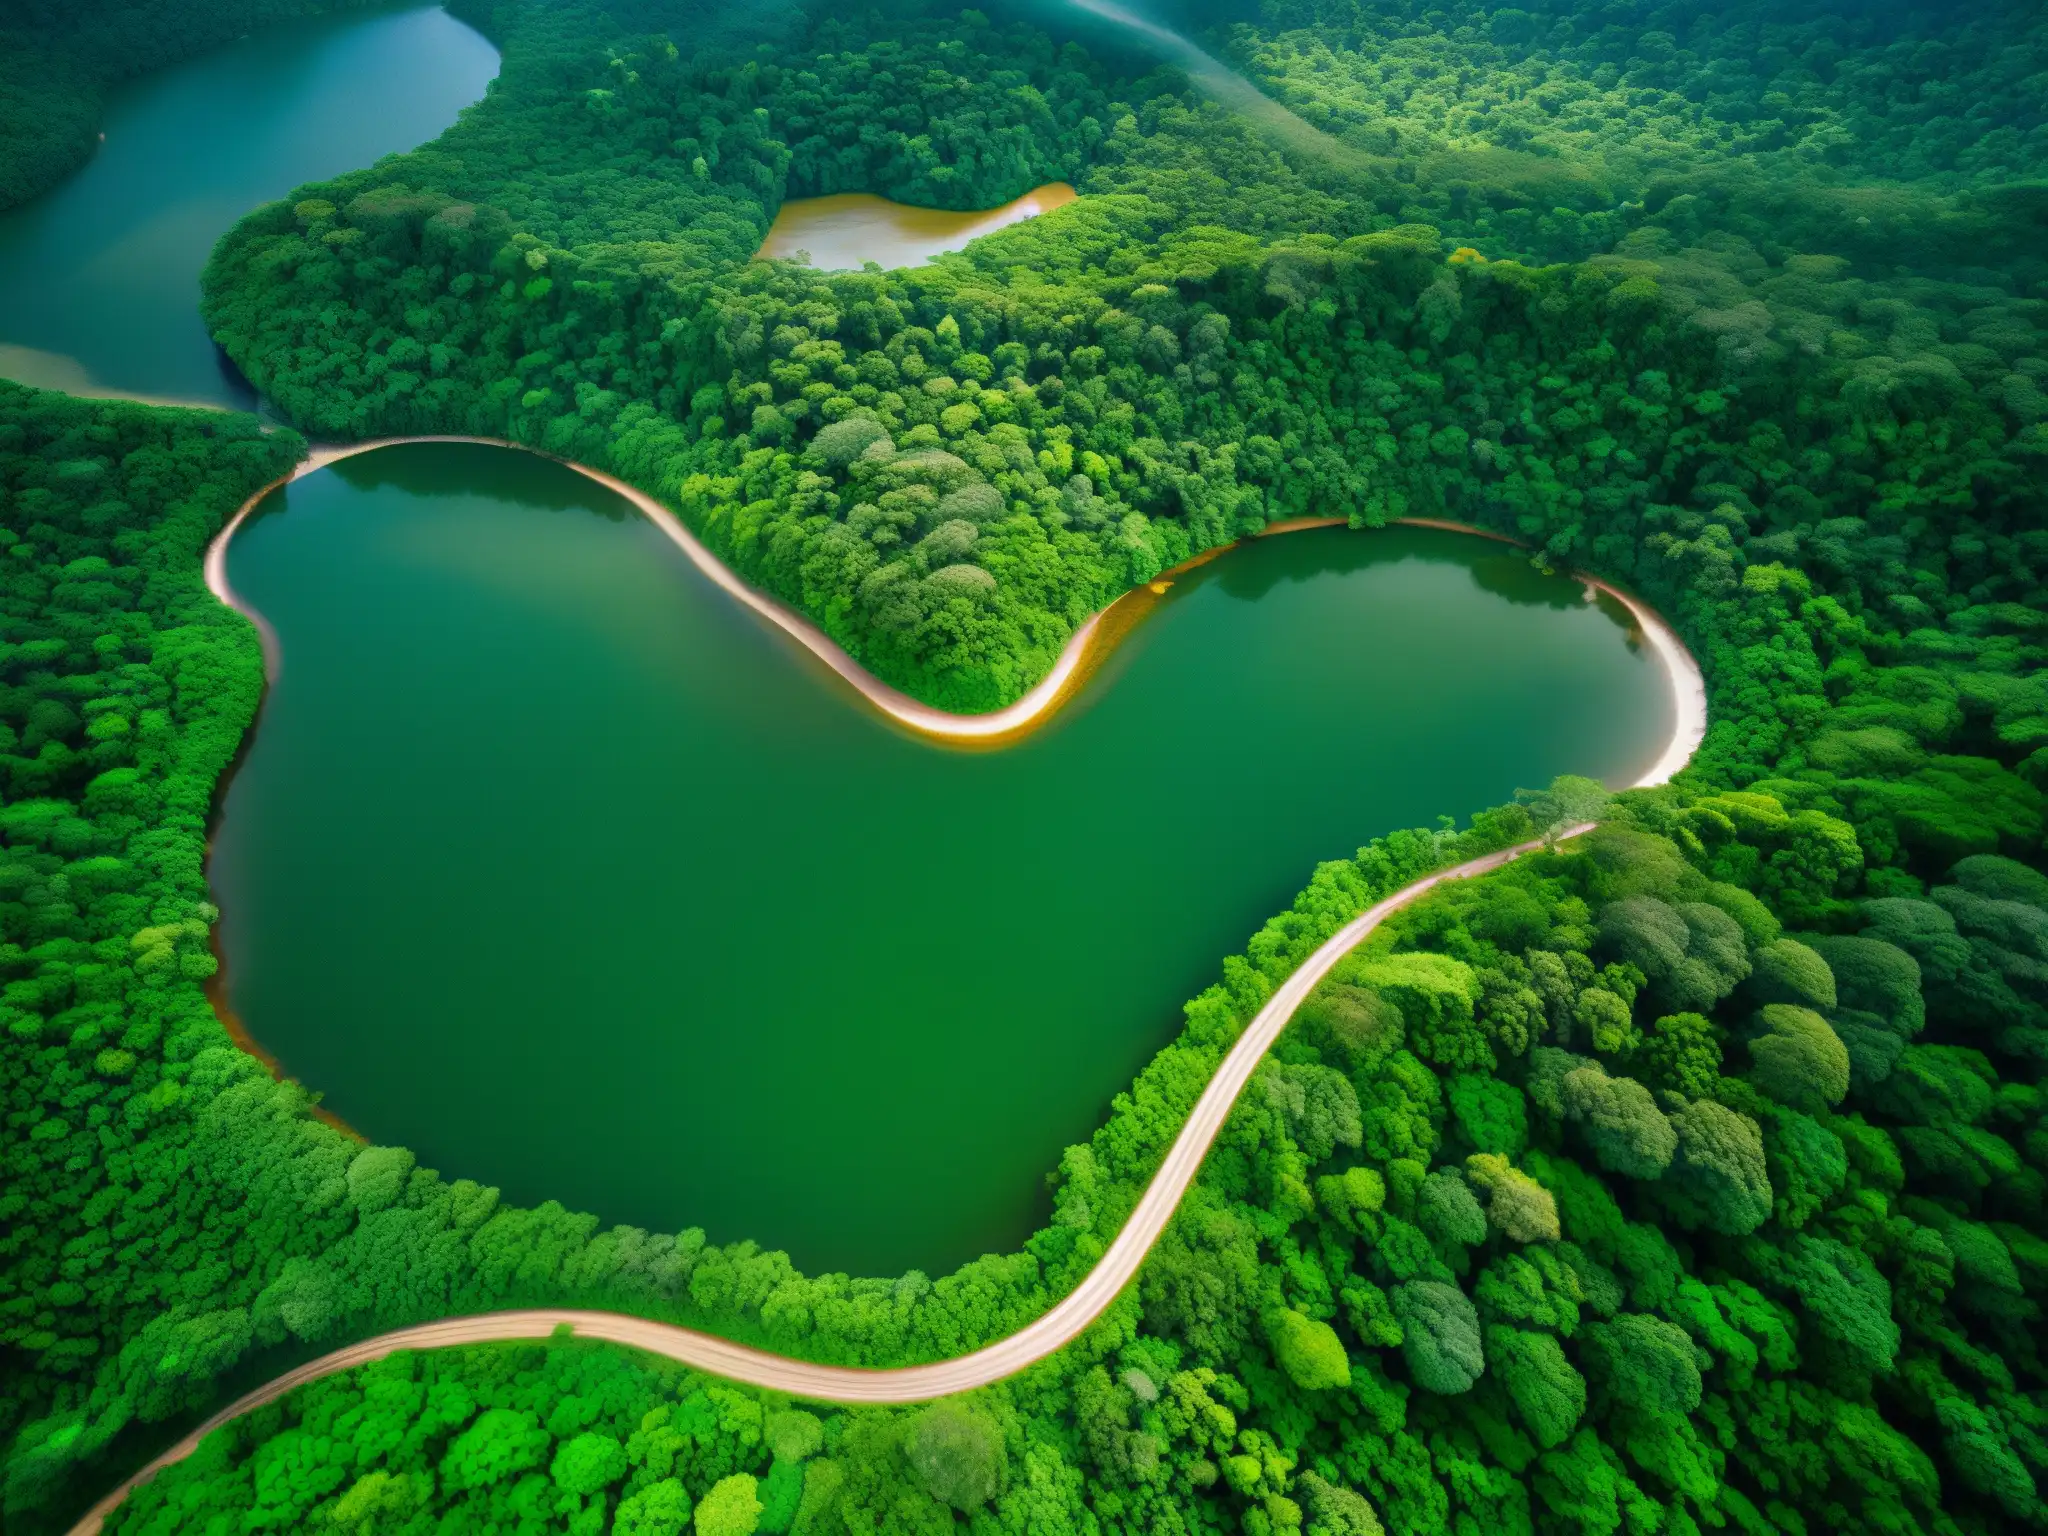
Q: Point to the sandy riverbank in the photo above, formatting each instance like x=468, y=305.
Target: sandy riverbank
x=913, y=714
x=1084, y=651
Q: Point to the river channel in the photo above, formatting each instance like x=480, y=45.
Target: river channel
x=551, y=862
x=99, y=278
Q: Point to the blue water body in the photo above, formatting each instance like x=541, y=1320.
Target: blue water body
x=99, y=278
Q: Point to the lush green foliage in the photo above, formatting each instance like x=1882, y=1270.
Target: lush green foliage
x=1214, y=338
x=1556, y=128
x=1403, y=1293
x=1690, y=1179
x=1401, y=1273
x=169, y=1207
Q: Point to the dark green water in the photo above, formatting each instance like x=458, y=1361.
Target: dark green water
x=551, y=863
x=99, y=278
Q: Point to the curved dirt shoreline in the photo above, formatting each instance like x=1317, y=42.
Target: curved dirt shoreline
x=1083, y=651
x=1688, y=683
x=1681, y=670
x=904, y=1384
x=1119, y=1264
x=913, y=714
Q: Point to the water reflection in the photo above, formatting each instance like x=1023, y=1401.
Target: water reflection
x=483, y=472
x=534, y=811
x=1317, y=552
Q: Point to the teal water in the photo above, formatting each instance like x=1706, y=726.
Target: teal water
x=99, y=278
x=551, y=863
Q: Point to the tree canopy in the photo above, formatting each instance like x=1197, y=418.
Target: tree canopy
x=1687, y=1175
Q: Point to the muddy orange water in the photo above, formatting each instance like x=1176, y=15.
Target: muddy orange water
x=844, y=231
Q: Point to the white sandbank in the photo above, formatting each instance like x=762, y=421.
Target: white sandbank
x=1688, y=686
x=913, y=714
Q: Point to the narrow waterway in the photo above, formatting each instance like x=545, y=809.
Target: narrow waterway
x=551, y=863
x=99, y=278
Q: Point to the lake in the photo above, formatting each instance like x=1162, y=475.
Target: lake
x=551, y=862
x=842, y=232
x=99, y=278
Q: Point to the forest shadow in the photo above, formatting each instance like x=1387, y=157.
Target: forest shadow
x=1252, y=571
x=479, y=469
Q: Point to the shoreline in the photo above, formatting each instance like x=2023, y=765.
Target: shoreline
x=32, y=368
x=1681, y=669
x=1074, y=1313
x=1084, y=651
x=216, y=990
x=949, y=229
x=810, y=1381
x=912, y=714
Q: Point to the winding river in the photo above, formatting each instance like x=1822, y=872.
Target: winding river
x=99, y=278
x=553, y=863
x=512, y=867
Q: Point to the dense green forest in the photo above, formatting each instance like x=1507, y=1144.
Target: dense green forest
x=1492, y=1243
x=1690, y=1176
x=1222, y=331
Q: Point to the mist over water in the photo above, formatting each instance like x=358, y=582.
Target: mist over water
x=1209, y=74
